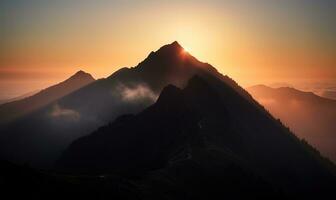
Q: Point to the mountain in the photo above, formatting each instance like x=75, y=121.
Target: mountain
x=205, y=140
x=210, y=139
x=16, y=109
x=40, y=137
x=311, y=117
x=25, y=95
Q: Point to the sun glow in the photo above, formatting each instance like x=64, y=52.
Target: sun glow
x=231, y=38
x=186, y=50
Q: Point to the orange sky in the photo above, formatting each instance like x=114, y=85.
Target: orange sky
x=257, y=42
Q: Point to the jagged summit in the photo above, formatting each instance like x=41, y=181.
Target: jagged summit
x=81, y=75
x=80, y=72
x=173, y=51
x=174, y=45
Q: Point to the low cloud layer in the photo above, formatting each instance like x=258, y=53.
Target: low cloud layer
x=64, y=113
x=136, y=93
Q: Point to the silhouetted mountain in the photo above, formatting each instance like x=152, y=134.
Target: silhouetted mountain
x=197, y=137
x=310, y=116
x=209, y=139
x=144, y=141
x=13, y=110
x=43, y=134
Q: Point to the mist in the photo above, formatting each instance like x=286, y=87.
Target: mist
x=65, y=113
x=308, y=115
x=132, y=94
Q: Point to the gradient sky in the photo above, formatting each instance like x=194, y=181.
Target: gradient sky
x=253, y=41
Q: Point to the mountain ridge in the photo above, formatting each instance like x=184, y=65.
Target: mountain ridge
x=170, y=126
x=136, y=143
x=16, y=109
x=129, y=90
x=309, y=115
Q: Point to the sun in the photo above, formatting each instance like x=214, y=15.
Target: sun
x=186, y=49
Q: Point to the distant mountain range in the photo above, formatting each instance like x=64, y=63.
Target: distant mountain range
x=170, y=128
x=23, y=105
x=310, y=116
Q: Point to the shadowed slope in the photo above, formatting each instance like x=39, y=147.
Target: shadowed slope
x=16, y=109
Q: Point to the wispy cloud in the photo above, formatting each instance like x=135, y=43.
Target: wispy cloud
x=136, y=93
x=64, y=113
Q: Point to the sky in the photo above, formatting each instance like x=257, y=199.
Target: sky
x=253, y=41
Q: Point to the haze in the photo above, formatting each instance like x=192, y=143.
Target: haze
x=255, y=41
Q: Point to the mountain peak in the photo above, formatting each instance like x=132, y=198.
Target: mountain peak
x=168, y=57
x=80, y=72
x=176, y=44
x=81, y=75
x=172, y=48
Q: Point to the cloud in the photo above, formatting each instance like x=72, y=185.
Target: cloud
x=136, y=93
x=64, y=113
